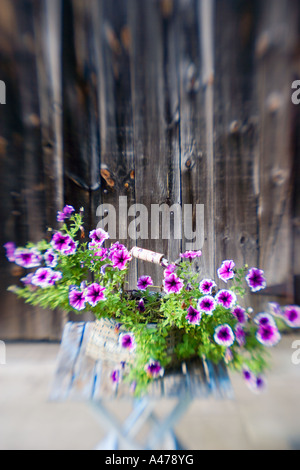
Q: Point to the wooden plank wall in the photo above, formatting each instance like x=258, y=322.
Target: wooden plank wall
x=161, y=102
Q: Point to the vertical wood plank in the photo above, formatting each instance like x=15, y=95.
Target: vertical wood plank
x=276, y=42
x=236, y=133
x=196, y=119
x=112, y=43
x=22, y=321
x=155, y=123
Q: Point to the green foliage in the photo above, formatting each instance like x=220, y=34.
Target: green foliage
x=164, y=315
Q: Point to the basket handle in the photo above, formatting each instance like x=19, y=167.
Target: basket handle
x=149, y=256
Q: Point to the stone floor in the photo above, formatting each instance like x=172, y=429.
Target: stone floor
x=28, y=421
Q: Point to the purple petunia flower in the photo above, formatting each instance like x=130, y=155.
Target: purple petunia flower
x=72, y=247
x=115, y=376
x=226, y=298
x=249, y=378
x=10, y=248
x=101, y=254
x=226, y=271
x=193, y=316
x=115, y=247
x=95, y=294
x=154, y=369
x=207, y=304
x=256, y=384
x=268, y=335
x=27, y=280
x=173, y=284
x=99, y=236
x=27, y=258
x=169, y=270
x=291, y=315
x=224, y=336
x=191, y=255
x=104, y=268
x=144, y=282
x=255, y=279
x=51, y=259
x=127, y=341
x=120, y=259
x=42, y=278
x=260, y=384
x=64, y=244
x=77, y=298
x=60, y=242
x=206, y=286
x=240, y=335
x=55, y=277
x=240, y=314
x=264, y=319
x=141, y=306
x=275, y=309
x=65, y=214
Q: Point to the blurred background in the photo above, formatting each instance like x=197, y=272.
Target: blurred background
x=162, y=101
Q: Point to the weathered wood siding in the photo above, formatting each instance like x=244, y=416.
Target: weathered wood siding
x=162, y=102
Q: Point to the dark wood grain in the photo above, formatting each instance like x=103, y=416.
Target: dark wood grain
x=168, y=102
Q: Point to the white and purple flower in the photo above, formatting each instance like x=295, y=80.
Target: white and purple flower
x=45, y=277
x=51, y=259
x=224, y=335
x=61, y=242
x=264, y=319
x=169, y=270
x=27, y=280
x=206, y=286
x=240, y=314
x=144, y=282
x=268, y=335
x=226, y=298
x=191, y=255
x=291, y=315
x=10, y=248
x=275, y=309
x=28, y=258
x=95, y=294
x=65, y=214
x=226, y=271
x=120, y=259
x=127, y=341
x=115, y=376
x=77, y=298
x=101, y=254
x=154, y=369
x=99, y=236
x=256, y=280
x=173, y=284
x=115, y=247
x=256, y=384
x=249, y=377
x=141, y=306
x=207, y=304
x=240, y=335
x=193, y=316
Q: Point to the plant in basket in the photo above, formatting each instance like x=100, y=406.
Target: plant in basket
x=154, y=327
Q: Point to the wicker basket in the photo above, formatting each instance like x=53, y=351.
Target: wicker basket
x=104, y=343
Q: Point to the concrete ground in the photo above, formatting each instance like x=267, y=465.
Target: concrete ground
x=28, y=421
